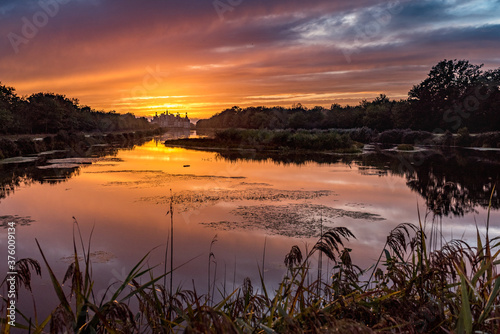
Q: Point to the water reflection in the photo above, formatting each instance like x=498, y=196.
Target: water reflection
x=176, y=134
x=15, y=176
x=45, y=168
x=53, y=167
x=452, y=182
x=278, y=200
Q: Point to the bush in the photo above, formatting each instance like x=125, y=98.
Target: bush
x=394, y=136
x=414, y=137
x=463, y=138
x=40, y=146
x=281, y=138
x=275, y=139
x=49, y=142
x=62, y=136
x=26, y=146
x=110, y=138
x=9, y=148
x=489, y=139
x=363, y=135
x=447, y=139
x=301, y=139
x=229, y=135
x=405, y=147
x=120, y=138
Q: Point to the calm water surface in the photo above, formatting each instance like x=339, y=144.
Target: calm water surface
x=242, y=200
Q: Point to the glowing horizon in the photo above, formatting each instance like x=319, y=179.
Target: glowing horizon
x=192, y=57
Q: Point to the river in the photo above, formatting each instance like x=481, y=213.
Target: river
x=236, y=205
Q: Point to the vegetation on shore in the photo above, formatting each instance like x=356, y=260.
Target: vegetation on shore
x=333, y=140
x=412, y=288
x=455, y=94
x=77, y=143
x=281, y=140
x=50, y=113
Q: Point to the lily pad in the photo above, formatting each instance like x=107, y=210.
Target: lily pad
x=82, y=161
x=291, y=220
x=59, y=166
x=95, y=257
x=189, y=199
x=21, y=221
x=18, y=160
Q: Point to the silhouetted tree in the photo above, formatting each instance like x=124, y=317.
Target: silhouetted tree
x=51, y=113
x=441, y=94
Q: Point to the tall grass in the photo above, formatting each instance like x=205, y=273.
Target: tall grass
x=410, y=289
x=314, y=140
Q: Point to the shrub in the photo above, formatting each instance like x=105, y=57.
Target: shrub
x=40, y=146
x=281, y=138
x=463, y=138
x=229, y=135
x=110, y=138
x=49, y=142
x=405, y=147
x=413, y=137
x=26, y=146
x=63, y=136
x=9, y=148
x=394, y=136
x=489, y=139
x=363, y=135
x=300, y=139
x=447, y=139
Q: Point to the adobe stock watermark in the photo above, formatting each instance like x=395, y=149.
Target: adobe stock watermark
x=31, y=26
x=223, y=6
x=151, y=80
x=380, y=17
x=454, y=116
x=469, y=104
x=113, y=284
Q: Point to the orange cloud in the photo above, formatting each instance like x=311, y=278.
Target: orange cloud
x=144, y=57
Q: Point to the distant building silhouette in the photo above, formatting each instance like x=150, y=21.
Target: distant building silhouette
x=167, y=120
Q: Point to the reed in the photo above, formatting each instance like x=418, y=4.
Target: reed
x=410, y=289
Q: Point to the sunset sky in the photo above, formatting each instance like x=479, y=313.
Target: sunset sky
x=202, y=56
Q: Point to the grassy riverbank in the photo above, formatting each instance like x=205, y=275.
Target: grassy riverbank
x=331, y=141
x=410, y=289
x=273, y=140
x=76, y=142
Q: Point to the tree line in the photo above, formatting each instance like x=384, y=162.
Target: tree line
x=456, y=94
x=51, y=113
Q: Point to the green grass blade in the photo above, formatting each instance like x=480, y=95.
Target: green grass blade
x=39, y=328
x=142, y=287
x=55, y=283
x=134, y=273
x=489, y=303
x=464, y=324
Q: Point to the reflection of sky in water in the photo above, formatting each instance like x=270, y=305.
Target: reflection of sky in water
x=126, y=203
